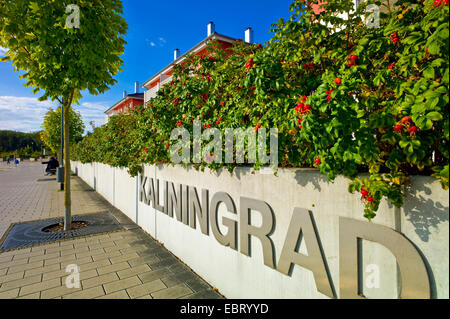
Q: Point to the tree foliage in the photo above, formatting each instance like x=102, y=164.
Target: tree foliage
x=12, y=140
x=62, y=61
x=51, y=128
x=22, y=145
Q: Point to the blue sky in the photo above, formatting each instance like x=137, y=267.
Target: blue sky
x=156, y=29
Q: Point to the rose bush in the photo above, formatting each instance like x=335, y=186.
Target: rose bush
x=344, y=97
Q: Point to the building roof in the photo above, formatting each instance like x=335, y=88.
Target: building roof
x=139, y=96
x=136, y=95
x=213, y=36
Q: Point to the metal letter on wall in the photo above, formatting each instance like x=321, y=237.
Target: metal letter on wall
x=151, y=193
x=301, y=223
x=142, y=194
x=174, y=200
x=197, y=211
x=156, y=204
x=414, y=275
x=230, y=239
x=185, y=204
x=246, y=230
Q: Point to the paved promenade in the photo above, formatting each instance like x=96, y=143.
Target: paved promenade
x=117, y=265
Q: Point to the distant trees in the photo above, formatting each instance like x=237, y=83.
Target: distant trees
x=19, y=143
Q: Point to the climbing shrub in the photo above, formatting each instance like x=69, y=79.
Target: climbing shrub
x=345, y=97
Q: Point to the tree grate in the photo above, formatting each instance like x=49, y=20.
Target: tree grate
x=26, y=234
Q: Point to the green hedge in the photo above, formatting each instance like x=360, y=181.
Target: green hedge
x=344, y=97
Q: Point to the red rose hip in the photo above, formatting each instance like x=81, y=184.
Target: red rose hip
x=413, y=129
x=406, y=119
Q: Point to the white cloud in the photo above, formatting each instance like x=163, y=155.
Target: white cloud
x=151, y=43
x=162, y=39
x=3, y=51
x=22, y=113
x=92, y=111
x=98, y=106
x=26, y=114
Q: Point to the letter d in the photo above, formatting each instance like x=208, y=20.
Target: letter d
x=414, y=275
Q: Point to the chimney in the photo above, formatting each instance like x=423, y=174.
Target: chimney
x=249, y=35
x=125, y=94
x=136, y=87
x=211, y=28
x=176, y=54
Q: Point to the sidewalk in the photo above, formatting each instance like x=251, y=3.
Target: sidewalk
x=123, y=264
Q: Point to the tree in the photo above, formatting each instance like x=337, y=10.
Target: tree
x=24, y=152
x=64, y=51
x=51, y=134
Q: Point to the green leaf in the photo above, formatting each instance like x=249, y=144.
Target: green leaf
x=435, y=116
x=429, y=73
x=404, y=143
x=434, y=48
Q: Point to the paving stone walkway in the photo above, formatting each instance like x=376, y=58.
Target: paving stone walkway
x=117, y=265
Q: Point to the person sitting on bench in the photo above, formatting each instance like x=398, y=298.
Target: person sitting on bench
x=52, y=164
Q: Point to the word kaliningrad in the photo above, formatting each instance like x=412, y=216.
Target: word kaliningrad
x=190, y=209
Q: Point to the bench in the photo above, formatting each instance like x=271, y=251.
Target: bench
x=53, y=171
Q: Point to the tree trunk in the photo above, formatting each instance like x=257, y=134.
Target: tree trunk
x=67, y=202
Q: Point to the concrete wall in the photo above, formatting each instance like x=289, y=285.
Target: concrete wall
x=125, y=193
x=423, y=220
